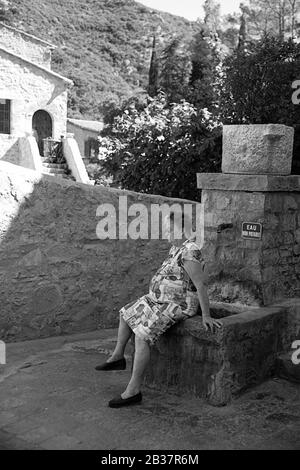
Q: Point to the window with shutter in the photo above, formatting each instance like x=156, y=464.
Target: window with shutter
x=4, y=116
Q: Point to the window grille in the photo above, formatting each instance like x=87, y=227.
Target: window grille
x=4, y=116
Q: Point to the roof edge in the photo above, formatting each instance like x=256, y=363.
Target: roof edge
x=31, y=36
x=40, y=67
x=83, y=126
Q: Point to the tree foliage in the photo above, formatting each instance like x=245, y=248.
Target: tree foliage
x=104, y=46
x=256, y=84
x=270, y=66
x=153, y=71
x=212, y=15
x=260, y=18
x=276, y=18
x=158, y=144
x=189, y=69
x=174, y=69
x=7, y=11
x=206, y=59
x=160, y=149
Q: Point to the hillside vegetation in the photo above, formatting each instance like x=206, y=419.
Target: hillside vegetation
x=104, y=46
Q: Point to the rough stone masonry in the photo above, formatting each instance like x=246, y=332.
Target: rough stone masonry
x=255, y=187
x=56, y=276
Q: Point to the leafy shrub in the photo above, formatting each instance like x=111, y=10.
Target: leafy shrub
x=160, y=149
x=256, y=86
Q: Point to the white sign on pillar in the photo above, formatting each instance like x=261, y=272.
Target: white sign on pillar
x=2, y=353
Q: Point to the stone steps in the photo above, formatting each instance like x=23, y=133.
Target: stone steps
x=59, y=166
x=60, y=175
x=59, y=170
x=49, y=160
x=54, y=171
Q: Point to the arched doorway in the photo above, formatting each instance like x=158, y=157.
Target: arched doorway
x=42, y=127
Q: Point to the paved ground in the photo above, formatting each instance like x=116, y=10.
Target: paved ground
x=52, y=398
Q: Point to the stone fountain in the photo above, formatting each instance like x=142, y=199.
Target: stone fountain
x=255, y=190
x=252, y=248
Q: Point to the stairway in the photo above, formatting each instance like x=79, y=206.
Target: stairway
x=60, y=170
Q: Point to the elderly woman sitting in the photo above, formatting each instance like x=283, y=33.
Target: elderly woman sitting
x=175, y=292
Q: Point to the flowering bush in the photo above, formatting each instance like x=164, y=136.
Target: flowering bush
x=160, y=149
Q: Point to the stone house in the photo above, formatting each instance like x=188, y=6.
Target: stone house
x=86, y=134
x=33, y=98
x=33, y=105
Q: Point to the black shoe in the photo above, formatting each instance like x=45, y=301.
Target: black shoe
x=119, y=401
x=114, y=365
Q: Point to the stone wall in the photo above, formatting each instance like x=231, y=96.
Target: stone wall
x=233, y=264
x=22, y=151
x=257, y=271
x=280, y=255
x=56, y=276
x=74, y=160
x=9, y=149
x=81, y=135
x=220, y=366
x=260, y=265
x=25, y=45
x=290, y=330
x=253, y=345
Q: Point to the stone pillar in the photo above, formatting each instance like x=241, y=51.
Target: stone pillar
x=74, y=160
x=258, y=263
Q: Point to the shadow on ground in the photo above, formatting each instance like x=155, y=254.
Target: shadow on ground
x=52, y=398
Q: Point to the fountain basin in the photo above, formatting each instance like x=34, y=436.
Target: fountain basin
x=219, y=366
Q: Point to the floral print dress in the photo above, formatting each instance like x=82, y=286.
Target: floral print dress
x=172, y=296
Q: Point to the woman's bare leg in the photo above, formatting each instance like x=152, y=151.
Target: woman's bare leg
x=124, y=334
x=141, y=359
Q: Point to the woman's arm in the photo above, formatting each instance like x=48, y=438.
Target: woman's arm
x=199, y=279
